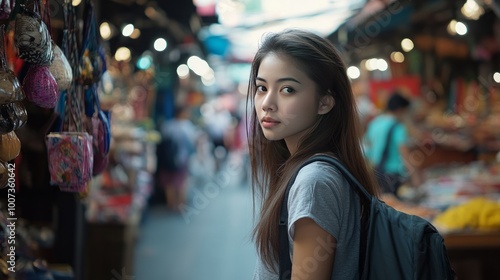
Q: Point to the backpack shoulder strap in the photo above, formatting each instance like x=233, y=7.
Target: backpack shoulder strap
x=385, y=152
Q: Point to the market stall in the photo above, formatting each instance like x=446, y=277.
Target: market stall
x=445, y=57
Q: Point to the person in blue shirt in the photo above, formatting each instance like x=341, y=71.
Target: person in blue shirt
x=385, y=143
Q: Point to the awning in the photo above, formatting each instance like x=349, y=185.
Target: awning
x=244, y=29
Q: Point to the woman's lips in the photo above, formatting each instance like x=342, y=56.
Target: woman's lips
x=269, y=122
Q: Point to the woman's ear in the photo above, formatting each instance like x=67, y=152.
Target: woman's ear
x=326, y=104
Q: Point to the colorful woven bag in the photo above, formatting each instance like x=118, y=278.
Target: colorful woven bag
x=71, y=160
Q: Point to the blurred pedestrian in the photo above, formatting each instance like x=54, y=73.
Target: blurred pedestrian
x=385, y=143
x=217, y=124
x=178, y=143
x=304, y=105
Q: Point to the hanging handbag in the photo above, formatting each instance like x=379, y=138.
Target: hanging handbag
x=70, y=155
x=10, y=146
x=40, y=86
x=70, y=152
x=60, y=67
x=69, y=148
x=10, y=90
x=92, y=62
x=12, y=116
x=32, y=38
x=99, y=128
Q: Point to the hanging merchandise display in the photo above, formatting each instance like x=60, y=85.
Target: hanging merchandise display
x=92, y=67
x=10, y=90
x=70, y=146
x=73, y=114
x=71, y=159
x=99, y=128
x=12, y=116
x=60, y=67
x=32, y=38
x=10, y=146
x=40, y=86
x=34, y=44
x=93, y=63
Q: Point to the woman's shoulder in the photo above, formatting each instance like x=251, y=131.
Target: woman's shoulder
x=320, y=173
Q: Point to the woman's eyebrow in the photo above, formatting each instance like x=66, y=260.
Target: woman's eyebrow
x=285, y=79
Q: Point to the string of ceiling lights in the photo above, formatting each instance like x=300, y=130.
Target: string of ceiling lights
x=470, y=10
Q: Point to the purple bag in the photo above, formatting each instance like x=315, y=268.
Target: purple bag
x=40, y=87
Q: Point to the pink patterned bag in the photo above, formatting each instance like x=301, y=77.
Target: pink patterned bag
x=70, y=160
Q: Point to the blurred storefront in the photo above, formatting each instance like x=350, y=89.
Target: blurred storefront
x=445, y=56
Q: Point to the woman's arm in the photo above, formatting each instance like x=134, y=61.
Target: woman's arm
x=313, y=251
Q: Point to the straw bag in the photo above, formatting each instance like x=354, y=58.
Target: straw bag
x=10, y=146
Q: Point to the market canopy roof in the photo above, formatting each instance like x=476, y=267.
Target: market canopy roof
x=242, y=27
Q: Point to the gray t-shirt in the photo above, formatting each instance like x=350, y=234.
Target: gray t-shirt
x=321, y=193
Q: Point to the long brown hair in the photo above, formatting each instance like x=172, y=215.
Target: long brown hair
x=337, y=132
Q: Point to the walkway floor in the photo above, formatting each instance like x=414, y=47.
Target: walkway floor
x=210, y=241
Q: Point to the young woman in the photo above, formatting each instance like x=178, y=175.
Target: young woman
x=303, y=105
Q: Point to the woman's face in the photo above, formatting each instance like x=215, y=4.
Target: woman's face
x=286, y=100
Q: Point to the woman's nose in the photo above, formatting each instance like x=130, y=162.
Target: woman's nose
x=269, y=102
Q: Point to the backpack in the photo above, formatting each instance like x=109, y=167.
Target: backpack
x=393, y=245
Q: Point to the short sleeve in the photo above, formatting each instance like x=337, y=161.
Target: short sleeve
x=400, y=135
x=319, y=193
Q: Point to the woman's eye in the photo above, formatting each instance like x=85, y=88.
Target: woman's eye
x=261, y=88
x=288, y=90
